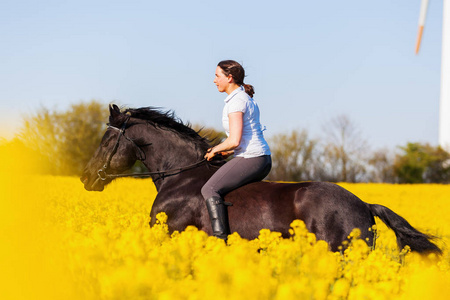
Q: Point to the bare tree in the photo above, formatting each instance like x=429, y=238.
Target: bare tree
x=292, y=155
x=344, y=152
x=381, y=166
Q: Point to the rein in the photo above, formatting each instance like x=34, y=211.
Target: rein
x=103, y=175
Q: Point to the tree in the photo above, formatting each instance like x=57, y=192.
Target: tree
x=343, y=152
x=381, y=166
x=422, y=163
x=292, y=156
x=410, y=166
x=438, y=169
x=66, y=139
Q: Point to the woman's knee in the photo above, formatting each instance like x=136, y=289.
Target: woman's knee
x=208, y=191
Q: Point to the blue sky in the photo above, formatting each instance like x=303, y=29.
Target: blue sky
x=309, y=61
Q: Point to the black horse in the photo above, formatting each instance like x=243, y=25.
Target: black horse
x=173, y=154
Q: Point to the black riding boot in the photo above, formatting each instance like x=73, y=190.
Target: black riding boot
x=218, y=215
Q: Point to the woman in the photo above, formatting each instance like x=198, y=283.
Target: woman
x=252, y=161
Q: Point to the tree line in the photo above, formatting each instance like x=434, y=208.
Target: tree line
x=64, y=141
x=346, y=157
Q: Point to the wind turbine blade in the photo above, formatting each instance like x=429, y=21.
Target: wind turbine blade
x=422, y=17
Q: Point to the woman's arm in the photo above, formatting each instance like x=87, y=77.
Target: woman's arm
x=236, y=121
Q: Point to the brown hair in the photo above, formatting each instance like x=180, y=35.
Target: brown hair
x=238, y=73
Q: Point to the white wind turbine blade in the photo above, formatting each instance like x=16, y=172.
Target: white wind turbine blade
x=422, y=17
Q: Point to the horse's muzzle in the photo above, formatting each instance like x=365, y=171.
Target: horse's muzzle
x=95, y=186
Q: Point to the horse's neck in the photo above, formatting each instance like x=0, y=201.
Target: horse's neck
x=169, y=151
x=188, y=182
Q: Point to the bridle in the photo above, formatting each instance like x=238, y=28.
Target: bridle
x=103, y=175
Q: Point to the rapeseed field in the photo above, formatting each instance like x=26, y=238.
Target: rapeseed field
x=59, y=241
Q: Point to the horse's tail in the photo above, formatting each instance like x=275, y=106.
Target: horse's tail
x=405, y=233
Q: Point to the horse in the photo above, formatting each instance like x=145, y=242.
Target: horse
x=174, y=155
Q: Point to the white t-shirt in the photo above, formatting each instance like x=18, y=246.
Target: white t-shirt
x=252, y=143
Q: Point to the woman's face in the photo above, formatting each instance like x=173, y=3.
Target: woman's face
x=222, y=82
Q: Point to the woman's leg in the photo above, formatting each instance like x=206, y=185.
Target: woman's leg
x=235, y=173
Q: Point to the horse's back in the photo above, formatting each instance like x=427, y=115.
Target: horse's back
x=328, y=210
x=261, y=205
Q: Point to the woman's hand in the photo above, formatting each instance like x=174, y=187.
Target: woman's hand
x=210, y=153
x=226, y=154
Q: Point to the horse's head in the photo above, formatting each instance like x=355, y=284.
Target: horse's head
x=117, y=152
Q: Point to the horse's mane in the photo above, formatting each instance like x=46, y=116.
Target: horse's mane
x=162, y=119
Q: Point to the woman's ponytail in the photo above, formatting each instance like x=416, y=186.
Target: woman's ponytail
x=249, y=89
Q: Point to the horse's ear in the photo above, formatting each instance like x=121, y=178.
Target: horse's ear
x=114, y=114
x=114, y=110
